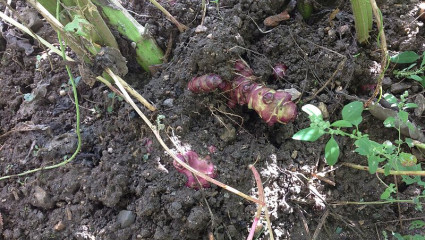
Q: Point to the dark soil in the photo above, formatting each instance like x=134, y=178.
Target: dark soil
x=119, y=169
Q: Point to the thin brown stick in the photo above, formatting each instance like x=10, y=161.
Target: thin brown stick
x=321, y=223
x=339, y=68
x=180, y=26
x=305, y=224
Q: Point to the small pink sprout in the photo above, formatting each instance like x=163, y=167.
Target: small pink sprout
x=279, y=71
x=147, y=143
x=202, y=165
x=212, y=149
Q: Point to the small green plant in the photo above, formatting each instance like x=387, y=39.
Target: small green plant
x=113, y=96
x=417, y=224
x=388, y=154
x=412, y=71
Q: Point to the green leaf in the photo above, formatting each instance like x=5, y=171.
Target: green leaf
x=415, y=77
x=352, y=112
x=79, y=26
x=409, y=142
x=312, y=110
x=423, y=59
x=110, y=109
x=341, y=123
x=405, y=57
x=387, y=193
x=331, y=152
x=390, y=98
x=403, y=115
x=389, y=122
x=407, y=159
x=310, y=134
x=373, y=162
x=410, y=105
x=398, y=236
x=416, y=224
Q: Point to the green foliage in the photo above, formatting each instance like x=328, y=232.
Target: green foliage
x=387, y=155
x=417, y=224
x=413, y=71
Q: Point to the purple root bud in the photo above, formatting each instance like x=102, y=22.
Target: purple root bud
x=193, y=160
x=279, y=71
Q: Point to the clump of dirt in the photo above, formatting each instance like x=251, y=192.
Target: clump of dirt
x=122, y=167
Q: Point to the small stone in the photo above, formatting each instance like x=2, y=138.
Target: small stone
x=344, y=29
x=59, y=226
x=62, y=92
x=420, y=101
x=229, y=134
x=110, y=150
x=399, y=87
x=386, y=82
x=200, y=29
x=332, y=34
x=42, y=198
x=126, y=218
x=294, y=154
x=168, y=102
x=324, y=109
x=237, y=21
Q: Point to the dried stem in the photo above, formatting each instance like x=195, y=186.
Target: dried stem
x=380, y=170
x=384, y=50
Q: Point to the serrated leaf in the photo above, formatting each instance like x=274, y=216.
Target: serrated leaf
x=390, y=98
x=312, y=110
x=416, y=224
x=387, y=193
x=373, y=162
x=407, y=159
x=415, y=77
x=310, y=134
x=389, y=122
x=352, y=112
x=405, y=57
x=341, y=123
x=403, y=115
x=331, y=152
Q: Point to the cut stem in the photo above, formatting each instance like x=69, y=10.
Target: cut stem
x=147, y=51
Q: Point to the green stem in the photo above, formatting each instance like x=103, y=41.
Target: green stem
x=380, y=170
x=147, y=51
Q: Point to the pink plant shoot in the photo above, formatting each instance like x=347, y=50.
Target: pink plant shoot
x=202, y=165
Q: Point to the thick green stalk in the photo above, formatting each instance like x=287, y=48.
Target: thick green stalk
x=362, y=11
x=148, y=52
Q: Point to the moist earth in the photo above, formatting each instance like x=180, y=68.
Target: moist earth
x=122, y=185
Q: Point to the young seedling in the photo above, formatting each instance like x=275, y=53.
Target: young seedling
x=388, y=154
x=412, y=71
